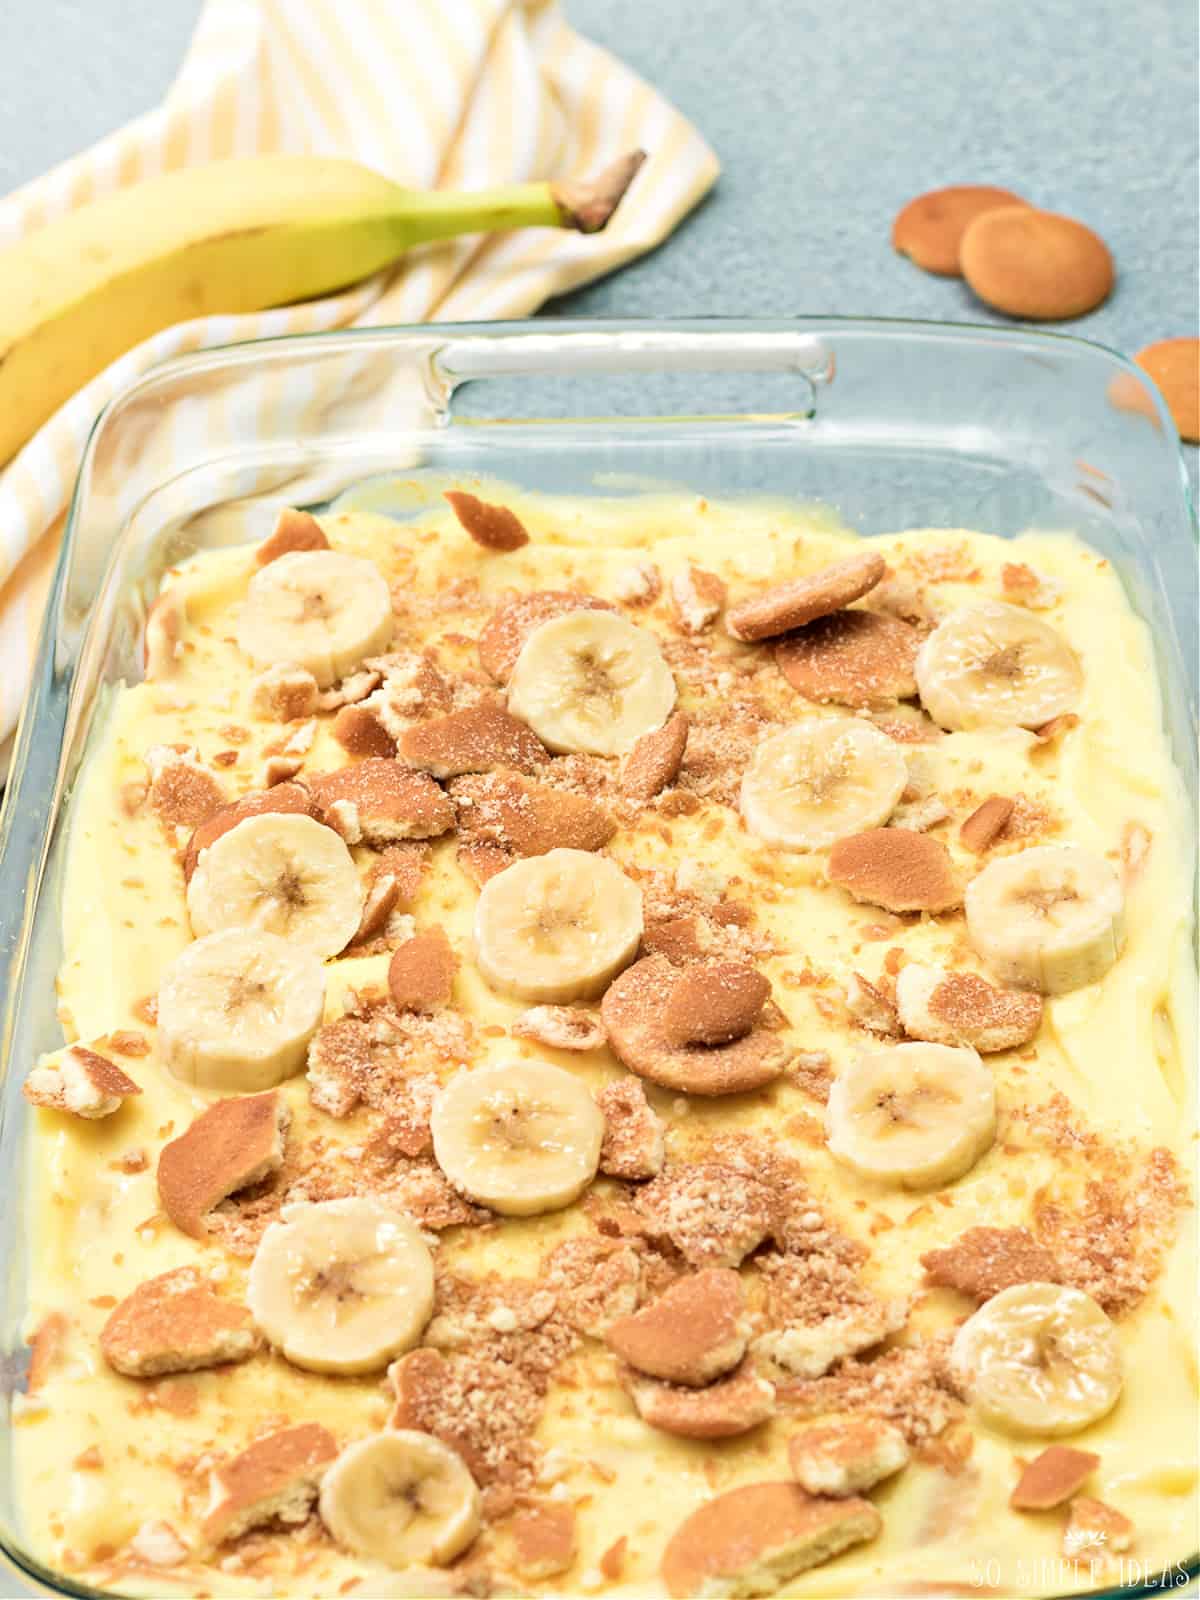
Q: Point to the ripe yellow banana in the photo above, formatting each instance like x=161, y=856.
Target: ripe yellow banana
x=228, y=237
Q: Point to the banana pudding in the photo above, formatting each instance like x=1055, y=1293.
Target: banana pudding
x=632, y=1047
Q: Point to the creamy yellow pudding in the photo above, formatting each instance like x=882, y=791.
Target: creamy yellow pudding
x=845, y=1150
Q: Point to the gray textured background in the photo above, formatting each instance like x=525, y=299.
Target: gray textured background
x=827, y=117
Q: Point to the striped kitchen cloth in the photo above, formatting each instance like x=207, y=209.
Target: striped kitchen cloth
x=433, y=93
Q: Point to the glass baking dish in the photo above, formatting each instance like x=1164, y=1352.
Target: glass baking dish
x=889, y=424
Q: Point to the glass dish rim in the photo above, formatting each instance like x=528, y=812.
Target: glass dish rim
x=217, y=357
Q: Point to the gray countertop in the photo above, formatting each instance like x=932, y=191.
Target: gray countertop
x=826, y=118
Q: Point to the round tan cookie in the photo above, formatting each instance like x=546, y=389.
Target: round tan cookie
x=421, y=972
x=655, y=759
x=388, y=801
x=694, y=1332
x=792, y=605
x=633, y=1011
x=1036, y=264
x=753, y=1539
x=295, y=530
x=491, y=526
x=856, y=658
x=721, y=1411
x=897, y=869
x=1174, y=364
x=929, y=229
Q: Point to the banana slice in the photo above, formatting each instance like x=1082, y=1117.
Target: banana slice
x=995, y=665
x=1050, y=918
x=281, y=872
x=401, y=1497
x=317, y=609
x=557, y=927
x=236, y=1011
x=1040, y=1359
x=591, y=681
x=821, y=779
x=913, y=1114
x=342, y=1285
x=521, y=1138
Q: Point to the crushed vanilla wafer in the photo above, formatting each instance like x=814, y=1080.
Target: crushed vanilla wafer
x=961, y=1008
x=421, y=972
x=753, y=1539
x=79, y=1081
x=803, y=600
x=1095, y=1531
x=560, y=1028
x=843, y=1458
x=696, y=1331
x=183, y=793
x=987, y=823
x=234, y=1144
x=1052, y=1478
x=897, y=869
x=294, y=530
x=491, y=526
x=479, y=738
x=284, y=693
x=176, y=1323
x=595, y=1281
x=654, y=760
x=388, y=801
x=634, y=1135
x=522, y=817
x=277, y=1477
x=852, y=658
x=543, y=1533
x=732, y=1405
x=983, y=1261
x=696, y=599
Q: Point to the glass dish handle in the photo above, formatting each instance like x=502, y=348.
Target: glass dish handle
x=468, y=358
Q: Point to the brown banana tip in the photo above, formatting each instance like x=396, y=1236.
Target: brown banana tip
x=587, y=204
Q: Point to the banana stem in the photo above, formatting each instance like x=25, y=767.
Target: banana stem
x=585, y=205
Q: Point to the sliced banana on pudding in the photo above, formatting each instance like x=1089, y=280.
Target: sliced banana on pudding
x=400, y=1497
x=1050, y=918
x=557, y=927
x=342, y=1285
x=236, y=1010
x=1040, y=1359
x=821, y=779
x=520, y=1138
x=283, y=873
x=317, y=609
x=913, y=1115
x=995, y=665
x=591, y=681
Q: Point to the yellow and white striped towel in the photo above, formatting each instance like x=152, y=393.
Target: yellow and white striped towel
x=433, y=93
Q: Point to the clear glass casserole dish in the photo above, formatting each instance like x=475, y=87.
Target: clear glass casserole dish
x=888, y=424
